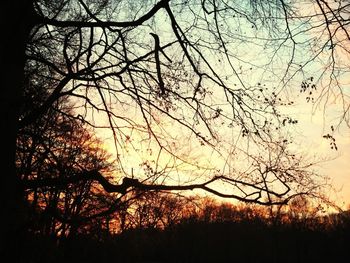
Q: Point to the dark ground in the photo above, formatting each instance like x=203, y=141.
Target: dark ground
x=253, y=241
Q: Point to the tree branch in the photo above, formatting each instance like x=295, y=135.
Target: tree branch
x=107, y=24
x=131, y=183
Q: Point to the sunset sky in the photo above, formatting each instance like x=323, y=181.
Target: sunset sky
x=336, y=163
x=254, y=61
x=308, y=139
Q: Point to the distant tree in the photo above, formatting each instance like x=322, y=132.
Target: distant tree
x=175, y=64
x=53, y=149
x=160, y=210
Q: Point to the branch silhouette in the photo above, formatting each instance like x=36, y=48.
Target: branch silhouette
x=134, y=184
x=156, y=56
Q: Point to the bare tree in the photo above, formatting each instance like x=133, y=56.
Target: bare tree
x=156, y=69
x=56, y=147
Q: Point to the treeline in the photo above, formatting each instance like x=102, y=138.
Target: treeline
x=170, y=228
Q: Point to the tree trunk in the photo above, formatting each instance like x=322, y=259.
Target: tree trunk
x=16, y=21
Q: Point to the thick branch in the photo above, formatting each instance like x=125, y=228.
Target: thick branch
x=107, y=24
x=156, y=55
x=129, y=183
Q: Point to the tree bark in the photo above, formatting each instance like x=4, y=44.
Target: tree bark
x=16, y=21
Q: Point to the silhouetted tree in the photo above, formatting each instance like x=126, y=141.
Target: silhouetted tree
x=174, y=61
x=57, y=147
x=155, y=210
